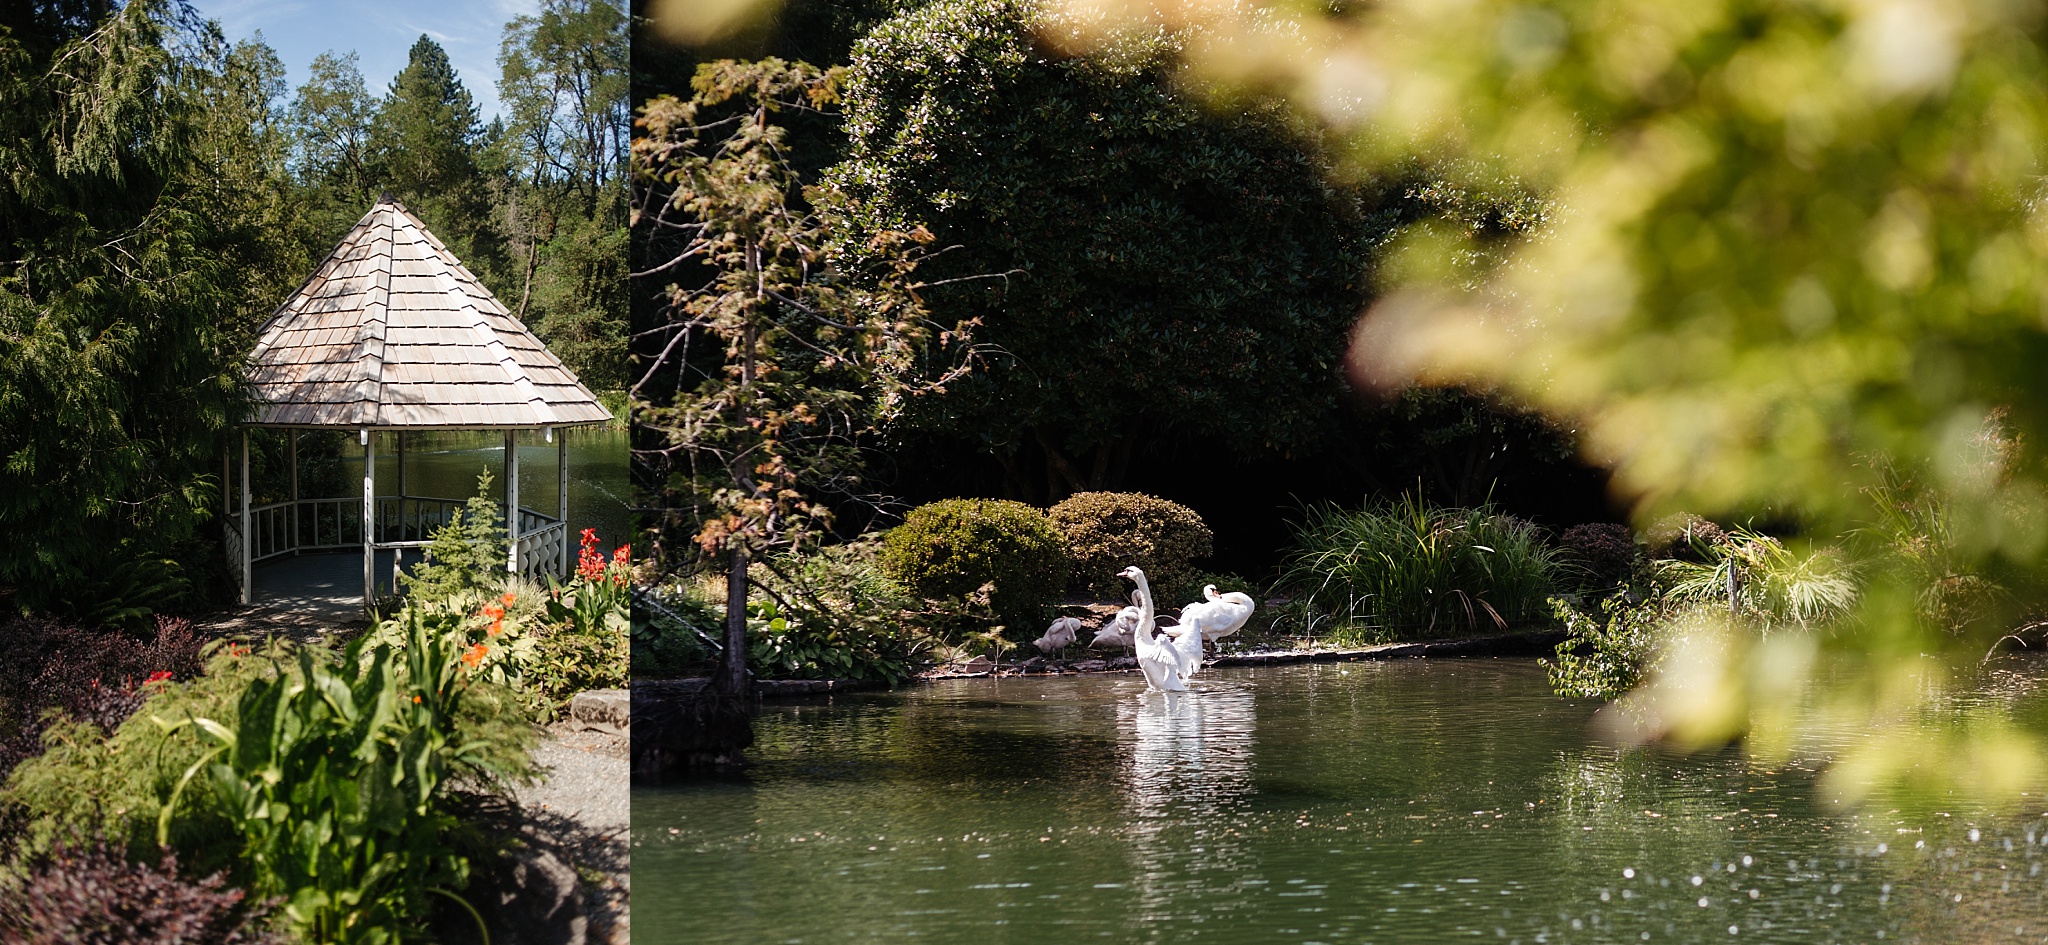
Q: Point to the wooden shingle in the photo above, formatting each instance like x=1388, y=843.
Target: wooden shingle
x=392, y=331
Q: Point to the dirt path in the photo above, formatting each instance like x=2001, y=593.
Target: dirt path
x=583, y=810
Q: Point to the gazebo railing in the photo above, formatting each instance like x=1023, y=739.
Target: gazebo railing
x=295, y=525
x=543, y=545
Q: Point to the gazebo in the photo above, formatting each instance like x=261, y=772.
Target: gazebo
x=392, y=334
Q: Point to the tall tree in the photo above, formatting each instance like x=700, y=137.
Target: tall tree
x=1169, y=269
x=330, y=120
x=564, y=84
x=778, y=349
x=427, y=148
x=119, y=296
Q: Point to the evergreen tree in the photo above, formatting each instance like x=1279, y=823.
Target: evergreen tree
x=119, y=295
x=425, y=145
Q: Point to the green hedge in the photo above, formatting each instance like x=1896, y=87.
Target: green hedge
x=949, y=549
x=1105, y=532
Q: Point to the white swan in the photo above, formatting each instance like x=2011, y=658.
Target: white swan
x=1156, y=658
x=1117, y=632
x=1219, y=616
x=1187, y=648
x=1059, y=636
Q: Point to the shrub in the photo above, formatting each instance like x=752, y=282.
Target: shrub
x=1773, y=585
x=674, y=635
x=467, y=555
x=334, y=777
x=1606, y=655
x=92, y=676
x=1684, y=537
x=834, y=614
x=89, y=893
x=587, y=643
x=114, y=784
x=1105, y=532
x=949, y=549
x=1603, y=554
x=1406, y=569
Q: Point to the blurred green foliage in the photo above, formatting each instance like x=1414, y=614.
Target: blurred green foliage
x=1789, y=245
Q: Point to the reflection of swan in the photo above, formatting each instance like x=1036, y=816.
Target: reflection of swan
x=1219, y=616
x=1156, y=657
x=1188, y=772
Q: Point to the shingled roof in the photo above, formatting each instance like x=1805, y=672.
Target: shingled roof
x=393, y=331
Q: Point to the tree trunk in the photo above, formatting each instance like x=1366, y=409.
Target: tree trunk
x=731, y=679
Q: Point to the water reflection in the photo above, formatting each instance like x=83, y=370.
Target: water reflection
x=1398, y=803
x=1188, y=770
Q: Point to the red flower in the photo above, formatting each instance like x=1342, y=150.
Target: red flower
x=159, y=676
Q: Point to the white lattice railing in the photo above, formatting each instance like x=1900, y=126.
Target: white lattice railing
x=543, y=550
x=281, y=528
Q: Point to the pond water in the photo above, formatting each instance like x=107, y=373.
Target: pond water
x=1411, y=801
x=446, y=464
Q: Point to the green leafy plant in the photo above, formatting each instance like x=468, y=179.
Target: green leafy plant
x=1105, y=532
x=334, y=775
x=1759, y=578
x=467, y=555
x=674, y=635
x=949, y=549
x=1405, y=569
x=846, y=618
x=1606, y=654
x=587, y=642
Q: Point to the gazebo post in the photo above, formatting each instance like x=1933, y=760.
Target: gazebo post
x=248, y=575
x=400, y=435
x=294, y=434
x=561, y=438
x=398, y=554
x=369, y=519
x=512, y=500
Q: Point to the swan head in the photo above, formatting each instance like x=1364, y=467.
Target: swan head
x=1131, y=573
x=1209, y=591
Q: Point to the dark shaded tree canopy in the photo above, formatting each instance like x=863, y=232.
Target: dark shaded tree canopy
x=1166, y=269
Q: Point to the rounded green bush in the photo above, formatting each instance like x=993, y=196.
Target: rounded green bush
x=950, y=548
x=1105, y=532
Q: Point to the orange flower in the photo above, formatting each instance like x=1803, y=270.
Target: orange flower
x=508, y=598
x=475, y=655
x=496, y=627
x=415, y=700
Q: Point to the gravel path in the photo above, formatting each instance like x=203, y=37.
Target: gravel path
x=584, y=808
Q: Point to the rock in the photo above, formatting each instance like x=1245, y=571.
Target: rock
x=1090, y=666
x=1036, y=664
x=1124, y=662
x=979, y=664
x=602, y=710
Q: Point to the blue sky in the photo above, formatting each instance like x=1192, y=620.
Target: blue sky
x=380, y=32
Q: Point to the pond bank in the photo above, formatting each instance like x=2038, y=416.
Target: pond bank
x=1527, y=643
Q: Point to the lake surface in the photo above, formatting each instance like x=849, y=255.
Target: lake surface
x=445, y=464
x=1411, y=801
